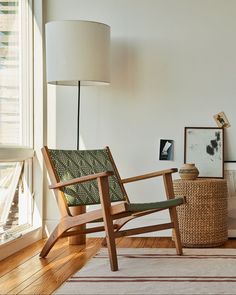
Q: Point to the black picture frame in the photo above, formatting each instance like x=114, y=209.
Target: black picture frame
x=166, y=151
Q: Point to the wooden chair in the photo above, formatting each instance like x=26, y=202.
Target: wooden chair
x=89, y=177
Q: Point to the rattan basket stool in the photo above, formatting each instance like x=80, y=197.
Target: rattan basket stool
x=203, y=219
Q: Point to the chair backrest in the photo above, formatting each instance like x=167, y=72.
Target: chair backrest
x=69, y=164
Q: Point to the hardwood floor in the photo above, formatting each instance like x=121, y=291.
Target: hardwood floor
x=25, y=273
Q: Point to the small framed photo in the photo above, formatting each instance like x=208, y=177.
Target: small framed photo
x=204, y=146
x=166, y=149
x=221, y=120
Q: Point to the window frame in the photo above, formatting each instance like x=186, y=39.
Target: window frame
x=38, y=124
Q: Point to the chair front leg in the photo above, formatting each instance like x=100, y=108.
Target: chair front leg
x=173, y=213
x=176, y=232
x=108, y=223
x=54, y=237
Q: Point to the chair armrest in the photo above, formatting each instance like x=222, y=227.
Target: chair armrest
x=81, y=179
x=149, y=175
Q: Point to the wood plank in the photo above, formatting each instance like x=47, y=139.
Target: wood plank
x=18, y=258
x=73, y=259
x=28, y=268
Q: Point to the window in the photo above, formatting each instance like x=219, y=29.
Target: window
x=16, y=123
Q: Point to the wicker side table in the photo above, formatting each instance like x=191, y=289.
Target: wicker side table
x=203, y=219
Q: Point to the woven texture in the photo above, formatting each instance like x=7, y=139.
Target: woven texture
x=71, y=164
x=203, y=219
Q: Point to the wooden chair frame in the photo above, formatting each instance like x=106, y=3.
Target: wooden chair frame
x=108, y=212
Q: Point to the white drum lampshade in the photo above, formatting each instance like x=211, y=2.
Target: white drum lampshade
x=77, y=50
x=77, y=53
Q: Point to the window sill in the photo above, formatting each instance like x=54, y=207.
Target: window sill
x=26, y=237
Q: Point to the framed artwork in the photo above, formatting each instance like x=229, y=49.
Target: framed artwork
x=166, y=151
x=204, y=146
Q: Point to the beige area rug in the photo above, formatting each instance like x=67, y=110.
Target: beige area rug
x=157, y=271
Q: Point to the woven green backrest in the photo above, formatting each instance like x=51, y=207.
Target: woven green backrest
x=71, y=164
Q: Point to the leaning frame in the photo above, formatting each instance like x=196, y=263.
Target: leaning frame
x=204, y=146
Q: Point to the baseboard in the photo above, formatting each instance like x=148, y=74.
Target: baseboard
x=232, y=233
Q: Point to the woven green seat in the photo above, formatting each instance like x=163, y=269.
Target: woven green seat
x=135, y=207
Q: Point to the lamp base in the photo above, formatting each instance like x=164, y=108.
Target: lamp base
x=80, y=239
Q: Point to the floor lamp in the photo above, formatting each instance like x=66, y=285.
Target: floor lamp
x=77, y=53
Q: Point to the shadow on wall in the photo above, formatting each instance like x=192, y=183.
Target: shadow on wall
x=124, y=67
x=139, y=68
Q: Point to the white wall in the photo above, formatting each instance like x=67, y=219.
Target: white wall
x=173, y=64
